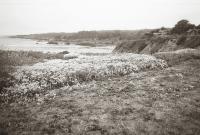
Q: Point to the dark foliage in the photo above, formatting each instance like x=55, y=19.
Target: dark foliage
x=131, y=46
x=192, y=42
x=89, y=35
x=198, y=27
x=182, y=27
x=181, y=40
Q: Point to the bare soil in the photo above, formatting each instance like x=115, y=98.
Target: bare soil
x=155, y=102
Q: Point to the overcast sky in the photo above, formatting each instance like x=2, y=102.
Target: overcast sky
x=38, y=16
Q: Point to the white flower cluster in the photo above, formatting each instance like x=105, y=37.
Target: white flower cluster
x=59, y=73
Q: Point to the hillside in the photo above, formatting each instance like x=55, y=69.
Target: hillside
x=150, y=102
x=162, y=40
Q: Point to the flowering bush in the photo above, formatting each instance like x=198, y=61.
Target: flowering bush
x=58, y=73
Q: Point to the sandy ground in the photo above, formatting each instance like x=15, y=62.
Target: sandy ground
x=149, y=103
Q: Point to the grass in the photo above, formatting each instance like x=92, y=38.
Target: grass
x=19, y=58
x=95, y=54
x=90, y=44
x=181, y=39
x=58, y=73
x=142, y=46
x=135, y=46
x=191, y=42
x=106, y=95
x=10, y=59
x=178, y=56
x=158, y=102
x=122, y=101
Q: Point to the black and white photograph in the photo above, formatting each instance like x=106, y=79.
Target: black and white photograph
x=99, y=67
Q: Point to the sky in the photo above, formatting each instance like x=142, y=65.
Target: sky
x=41, y=16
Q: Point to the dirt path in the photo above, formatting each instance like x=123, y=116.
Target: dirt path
x=154, y=102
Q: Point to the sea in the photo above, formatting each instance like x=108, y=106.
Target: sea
x=18, y=44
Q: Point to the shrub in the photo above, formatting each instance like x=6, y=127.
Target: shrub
x=192, y=42
x=198, y=27
x=181, y=40
x=182, y=27
x=135, y=46
x=58, y=73
x=189, y=41
x=10, y=59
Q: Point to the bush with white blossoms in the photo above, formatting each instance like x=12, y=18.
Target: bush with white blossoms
x=58, y=73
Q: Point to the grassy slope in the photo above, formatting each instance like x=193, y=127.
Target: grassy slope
x=153, y=102
x=159, y=43
x=175, y=57
x=10, y=59
x=18, y=58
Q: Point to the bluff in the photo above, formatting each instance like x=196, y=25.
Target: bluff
x=163, y=40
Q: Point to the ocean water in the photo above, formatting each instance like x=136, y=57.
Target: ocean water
x=18, y=44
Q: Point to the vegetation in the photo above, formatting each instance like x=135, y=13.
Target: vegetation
x=176, y=57
x=18, y=58
x=143, y=46
x=91, y=38
x=102, y=93
x=58, y=73
x=182, y=27
x=131, y=46
x=182, y=35
x=181, y=40
x=87, y=44
x=153, y=102
x=10, y=59
x=189, y=42
x=198, y=27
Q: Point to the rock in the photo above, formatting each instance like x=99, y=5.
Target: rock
x=67, y=43
x=64, y=52
x=70, y=56
x=52, y=42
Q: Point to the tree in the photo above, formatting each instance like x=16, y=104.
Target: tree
x=182, y=27
x=198, y=27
